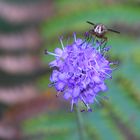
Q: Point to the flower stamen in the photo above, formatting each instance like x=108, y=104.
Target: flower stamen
x=54, y=54
x=62, y=45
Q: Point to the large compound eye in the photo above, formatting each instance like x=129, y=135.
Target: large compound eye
x=97, y=29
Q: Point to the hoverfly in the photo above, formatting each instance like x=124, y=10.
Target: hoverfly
x=99, y=31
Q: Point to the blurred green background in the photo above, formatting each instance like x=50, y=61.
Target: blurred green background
x=29, y=109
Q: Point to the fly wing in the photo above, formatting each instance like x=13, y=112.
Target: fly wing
x=113, y=31
x=90, y=23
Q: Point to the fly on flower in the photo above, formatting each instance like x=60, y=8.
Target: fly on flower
x=99, y=31
x=81, y=71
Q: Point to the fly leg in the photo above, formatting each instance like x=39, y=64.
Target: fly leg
x=104, y=41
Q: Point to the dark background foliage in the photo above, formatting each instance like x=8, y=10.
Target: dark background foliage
x=28, y=108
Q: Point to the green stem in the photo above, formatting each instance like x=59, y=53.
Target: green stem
x=82, y=133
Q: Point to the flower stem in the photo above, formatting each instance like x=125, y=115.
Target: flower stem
x=82, y=133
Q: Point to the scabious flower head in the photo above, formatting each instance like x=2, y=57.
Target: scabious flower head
x=80, y=71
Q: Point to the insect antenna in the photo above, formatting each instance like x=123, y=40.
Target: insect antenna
x=113, y=31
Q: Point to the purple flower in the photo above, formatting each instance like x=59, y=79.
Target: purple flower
x=81, y=71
